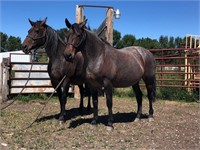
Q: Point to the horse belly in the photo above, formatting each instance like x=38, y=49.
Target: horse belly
x=127, y=79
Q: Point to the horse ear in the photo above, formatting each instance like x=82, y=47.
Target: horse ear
x=43, y=22
x=31, y=22
x=68, y=24
x=82, y=24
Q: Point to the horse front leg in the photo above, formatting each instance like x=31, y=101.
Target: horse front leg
x=108, y=90
x=81, y=89
x=95, y=106
x=62, y=94
x=88, y=93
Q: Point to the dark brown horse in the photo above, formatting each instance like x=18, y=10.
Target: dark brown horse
x=41, y=34
x=110, y=67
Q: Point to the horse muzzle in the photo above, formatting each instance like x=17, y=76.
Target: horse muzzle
x=25, y=49
x=68, y=57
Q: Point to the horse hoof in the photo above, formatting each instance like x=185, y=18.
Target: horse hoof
x=61, y=122
x=88, y=109
x=93, y=126
x=151, y=119
x=109, y=128
x=137, y=120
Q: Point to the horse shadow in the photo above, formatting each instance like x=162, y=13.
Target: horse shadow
x=118, y=118
x=71, y=113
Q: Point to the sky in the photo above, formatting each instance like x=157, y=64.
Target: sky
x=144, y=18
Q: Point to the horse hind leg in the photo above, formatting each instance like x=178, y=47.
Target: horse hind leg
x=81, y=89
x=138, y=93
x=150, y=83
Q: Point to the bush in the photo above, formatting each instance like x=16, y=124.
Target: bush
x=164, y=93
x=180, y=94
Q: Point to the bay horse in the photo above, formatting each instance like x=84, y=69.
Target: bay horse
x=109, y=67
x=40, y=34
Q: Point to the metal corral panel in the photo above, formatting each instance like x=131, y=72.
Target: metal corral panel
x=20, y=57
x=27, y=67
x=32, y=75
x=37, y=80
x=14, y=56
x=31, y=90
x=21, y=82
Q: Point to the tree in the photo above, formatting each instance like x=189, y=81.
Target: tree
x=148, y=43
x=128, y=40
x=13, y=43
x=119, y=44
x=116, y=37
x=3, y=38
x=62, y=32
x=171, y=42
x=163, y=40
x=178, y=42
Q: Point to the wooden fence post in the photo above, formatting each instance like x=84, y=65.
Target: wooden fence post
x=109, y=24
x=79, y=19
x=5, y=79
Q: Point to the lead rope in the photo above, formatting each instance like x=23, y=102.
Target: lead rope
x=4, y=107
x=25, y=128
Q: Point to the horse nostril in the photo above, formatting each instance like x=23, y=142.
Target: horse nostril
x=68, y=57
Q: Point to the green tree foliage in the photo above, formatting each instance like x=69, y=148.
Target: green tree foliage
x=163, y=40
x=116, y=37
x=148, y=43
x=14, y=43
x=128, y=40
x=119, y=44
x=4, y=38
x=171, y=42
x=178, y=42
x=10, y=43
x=62, y=32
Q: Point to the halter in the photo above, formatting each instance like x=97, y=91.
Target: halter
x=43, y=36
x=37, y=37
x=78, y=46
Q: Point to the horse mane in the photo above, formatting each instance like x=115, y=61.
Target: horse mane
x=103, y=40
x=52, y=39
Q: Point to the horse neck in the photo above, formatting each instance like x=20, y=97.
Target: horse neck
x=94, y=47
x=53, y=43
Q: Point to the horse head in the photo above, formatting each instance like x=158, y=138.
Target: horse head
x=75, y=39
x=36, y=36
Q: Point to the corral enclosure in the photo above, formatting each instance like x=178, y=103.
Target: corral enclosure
x=171, y=71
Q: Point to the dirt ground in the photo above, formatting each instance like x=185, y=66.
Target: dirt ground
x=176, y=126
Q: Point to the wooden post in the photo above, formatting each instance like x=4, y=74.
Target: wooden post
x=79, y=19
x=109, y=24
x=79, y=14
x=5, y=79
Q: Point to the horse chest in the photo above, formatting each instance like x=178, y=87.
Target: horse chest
x=93, y=79
x=54, y=71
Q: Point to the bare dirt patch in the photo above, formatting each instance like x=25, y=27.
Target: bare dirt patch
x=176, y=126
